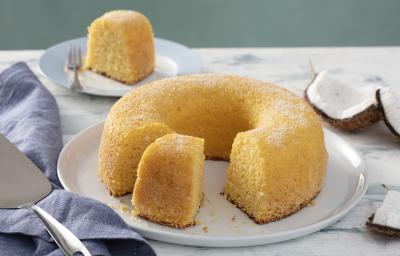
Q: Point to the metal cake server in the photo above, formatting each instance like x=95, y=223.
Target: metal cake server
x=22, y=185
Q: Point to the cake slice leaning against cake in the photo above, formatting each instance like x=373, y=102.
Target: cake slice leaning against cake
x=121, y=46
x=170, y=178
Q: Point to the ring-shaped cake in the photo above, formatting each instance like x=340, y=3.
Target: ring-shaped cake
x=272, y=138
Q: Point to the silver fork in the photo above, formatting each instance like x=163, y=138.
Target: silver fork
x=75, y=63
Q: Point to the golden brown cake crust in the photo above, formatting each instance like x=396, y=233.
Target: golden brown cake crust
x=286, y=214
x=127, y=82
x=169, y=224
x=216, y=158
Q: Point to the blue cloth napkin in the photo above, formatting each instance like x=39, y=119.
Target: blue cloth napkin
x=29, y=118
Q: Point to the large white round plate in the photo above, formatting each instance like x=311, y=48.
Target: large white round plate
x=227, y=226
x=172, y=59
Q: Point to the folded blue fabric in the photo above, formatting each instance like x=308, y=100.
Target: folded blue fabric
x=29, y=118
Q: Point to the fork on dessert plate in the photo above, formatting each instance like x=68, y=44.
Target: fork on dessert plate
x=74, y=63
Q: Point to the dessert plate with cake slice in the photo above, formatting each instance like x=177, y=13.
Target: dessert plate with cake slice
x=219, y=223
x=171, y=59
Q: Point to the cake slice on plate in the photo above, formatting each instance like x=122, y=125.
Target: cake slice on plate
x=121, y=46
x=170, y=177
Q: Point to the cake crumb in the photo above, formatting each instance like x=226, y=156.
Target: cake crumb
x=204, y=200
x=311, y=203
x=205, y=229
x=224, y=195
x=233, y=218
x=124, y=208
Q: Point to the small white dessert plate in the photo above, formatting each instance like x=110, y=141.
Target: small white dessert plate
x=172, y=59
x=220, y=223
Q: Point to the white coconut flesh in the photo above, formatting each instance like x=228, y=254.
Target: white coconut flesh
x=388, y=214
x=339, y=100
x=390, y=103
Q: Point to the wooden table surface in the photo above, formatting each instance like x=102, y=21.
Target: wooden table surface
x=288, y=67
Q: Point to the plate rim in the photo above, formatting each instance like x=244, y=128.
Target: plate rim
x=196, y=62
x=197, y=240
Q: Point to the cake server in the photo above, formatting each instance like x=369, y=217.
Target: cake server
x=22, y=185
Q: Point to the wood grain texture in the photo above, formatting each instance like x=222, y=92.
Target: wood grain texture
x=288, y=67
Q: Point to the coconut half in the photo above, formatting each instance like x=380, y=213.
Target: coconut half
x=389, y=102
x=342, y=105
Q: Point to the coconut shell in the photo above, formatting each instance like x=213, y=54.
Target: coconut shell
x=384, y=116
x=365, y=118
x=383, y=230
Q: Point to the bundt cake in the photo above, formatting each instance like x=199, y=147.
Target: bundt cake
x=273, y=138
x=170, y=178
x=120, y=45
